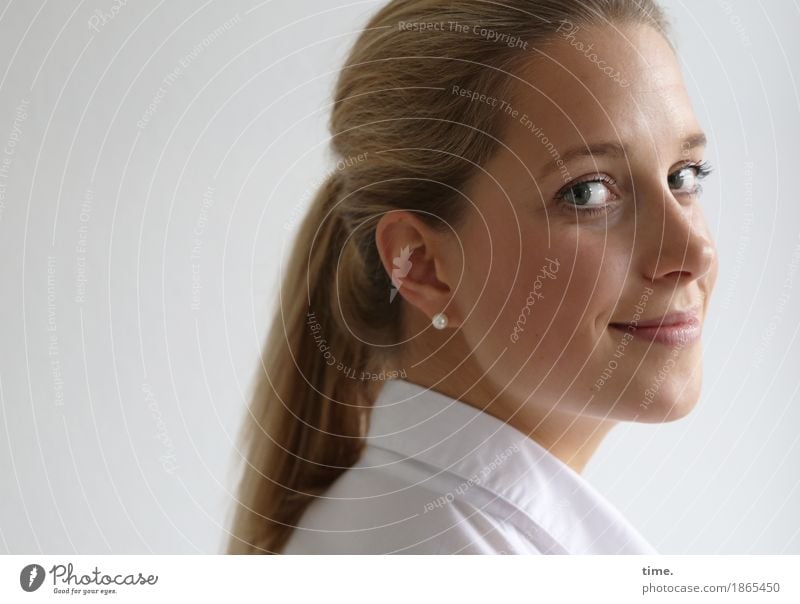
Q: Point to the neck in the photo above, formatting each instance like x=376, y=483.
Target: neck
x=452, y=371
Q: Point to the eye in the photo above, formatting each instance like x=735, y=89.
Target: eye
x=587, y=193
x=589, y=196
x=686, y=179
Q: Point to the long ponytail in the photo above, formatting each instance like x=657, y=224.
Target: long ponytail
x=309, y=431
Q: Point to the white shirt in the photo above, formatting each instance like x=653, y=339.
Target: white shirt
x=439, y=476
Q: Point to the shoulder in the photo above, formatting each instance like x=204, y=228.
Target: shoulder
x=386, y=504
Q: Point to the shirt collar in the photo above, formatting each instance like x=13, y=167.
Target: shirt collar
x=549, y=501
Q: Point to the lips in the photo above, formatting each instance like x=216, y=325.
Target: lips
x=676, y=328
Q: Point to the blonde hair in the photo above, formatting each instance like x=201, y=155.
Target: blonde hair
x=404, y=142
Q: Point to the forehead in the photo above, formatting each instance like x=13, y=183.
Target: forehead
x=613, y=82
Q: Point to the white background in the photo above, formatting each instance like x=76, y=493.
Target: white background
x=119, y=411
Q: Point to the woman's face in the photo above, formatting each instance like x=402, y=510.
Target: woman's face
x=590, y=216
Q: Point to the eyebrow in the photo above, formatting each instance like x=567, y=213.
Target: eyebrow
x=698, y=139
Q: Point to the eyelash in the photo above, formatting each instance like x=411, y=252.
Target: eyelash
x=702, y=169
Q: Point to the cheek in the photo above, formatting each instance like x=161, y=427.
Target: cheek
x=582, y=297
x=543, y=292
x=543, y=297
x=570, y=326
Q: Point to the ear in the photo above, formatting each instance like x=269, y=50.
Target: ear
x=419, y=263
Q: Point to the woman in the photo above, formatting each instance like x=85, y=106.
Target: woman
x=513, y=234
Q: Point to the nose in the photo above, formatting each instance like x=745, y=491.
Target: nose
x=673, y=232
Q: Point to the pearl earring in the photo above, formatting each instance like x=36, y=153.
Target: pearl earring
x=439, y=320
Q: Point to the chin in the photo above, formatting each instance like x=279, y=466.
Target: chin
x=672, y=402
